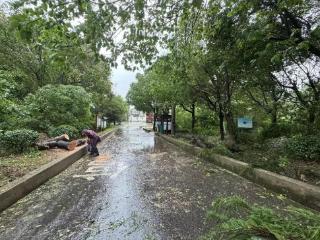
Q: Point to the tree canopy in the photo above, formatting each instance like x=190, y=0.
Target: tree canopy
x=49, y=74
x=234, y=57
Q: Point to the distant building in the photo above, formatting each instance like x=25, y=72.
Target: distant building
x=135, y=115
x=101, y=122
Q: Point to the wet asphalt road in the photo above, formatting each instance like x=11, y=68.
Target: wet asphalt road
x=139, y=188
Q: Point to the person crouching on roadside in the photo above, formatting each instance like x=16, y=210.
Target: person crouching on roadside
x=93, y=139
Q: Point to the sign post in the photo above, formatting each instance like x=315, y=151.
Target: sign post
x=245, y=122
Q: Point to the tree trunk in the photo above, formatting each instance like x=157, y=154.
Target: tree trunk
x=96, y=121
x=274, y=114
x=63, y=137
x=173, y=120
x=59, y=144
x=154, y=119
x=231, y=127
x=312, y=115
x=193, y=116
x=67, y=145
x=221, y=127
x=311, y=120
x=162, y=123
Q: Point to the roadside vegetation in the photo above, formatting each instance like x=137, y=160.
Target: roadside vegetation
x=240, y=59
x=51, y=83
x=220, y=60
x=237, y=219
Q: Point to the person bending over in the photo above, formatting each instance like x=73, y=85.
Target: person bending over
x=93, y=139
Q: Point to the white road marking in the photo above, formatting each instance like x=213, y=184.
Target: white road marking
x=96, y=168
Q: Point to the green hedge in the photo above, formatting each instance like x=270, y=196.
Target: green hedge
x=72, y=132
x=55, y=105
x=305, y=147
x=18, y=141
x=275, y=131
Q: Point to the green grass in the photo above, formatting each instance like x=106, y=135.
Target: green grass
x=106, y=130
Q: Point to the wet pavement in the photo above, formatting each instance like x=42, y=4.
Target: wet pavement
x=140, y=187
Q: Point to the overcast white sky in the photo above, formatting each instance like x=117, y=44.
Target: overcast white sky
x=120, y=77
x=121, y=80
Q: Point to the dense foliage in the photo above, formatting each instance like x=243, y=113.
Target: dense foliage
x=252, y=59
x=238, y=219
x=54, y=105
x=71, y=131
x=49, y=75
x=17, y=141
x=305, y=147
x=115, y=110
x=238, y=58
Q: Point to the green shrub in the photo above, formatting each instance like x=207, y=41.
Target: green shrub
x=247, y=136
x=213, y=131
x=54, y=105
x=273, y=164
x=305, y=147
x=283, y=162
x=237, y=219
x=64, y=129
x=18, y=141
x=275, y=131
x=222, y=149
x=82, y=126
x=183, y=120
x=218, y=148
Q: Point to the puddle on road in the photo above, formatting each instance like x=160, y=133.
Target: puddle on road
x=126, y=216
x=101, y=166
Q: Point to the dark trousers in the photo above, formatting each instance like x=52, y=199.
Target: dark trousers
x=94, y=149
x=93, y=145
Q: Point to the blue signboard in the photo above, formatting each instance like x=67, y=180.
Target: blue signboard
x=245, y=122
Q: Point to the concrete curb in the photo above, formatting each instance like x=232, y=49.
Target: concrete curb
x=299, y=191
x=12, y=192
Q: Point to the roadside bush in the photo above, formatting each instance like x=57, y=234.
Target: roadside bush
x=237, y=219
x=278, y=145
x=72, y=132
x=183, y=120
x=274, y=164
x=82, y=126
x=222, y=149
x=206, y=118
x=246, y=137
x=18, y=141
x=275, y=131
x=217, y=149
x=305, y=147
x=55, y=105
x=213, y=131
